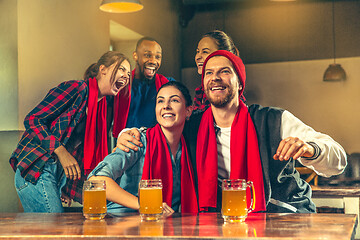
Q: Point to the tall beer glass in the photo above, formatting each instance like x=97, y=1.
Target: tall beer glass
x=150, y=199
x=94, y=199
x=234, y=204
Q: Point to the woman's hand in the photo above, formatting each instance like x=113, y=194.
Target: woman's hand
x=65, y=199
x=293, y=147
x=129, y=140
x=69, y=163
x=167, y=211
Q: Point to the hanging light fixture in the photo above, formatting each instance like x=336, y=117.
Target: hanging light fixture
x=121, y=6
x=334, y=72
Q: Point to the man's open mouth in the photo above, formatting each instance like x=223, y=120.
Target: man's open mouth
x=217, y=88
x=149, y=70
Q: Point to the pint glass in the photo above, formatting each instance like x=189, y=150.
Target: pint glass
x=234, y=204
x=150, y=199
x=94, y=199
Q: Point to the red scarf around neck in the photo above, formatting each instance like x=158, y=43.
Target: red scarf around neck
x=122, y=103
x=157, y=165
x=95, y=143
x=121, y=109
x=244, y=155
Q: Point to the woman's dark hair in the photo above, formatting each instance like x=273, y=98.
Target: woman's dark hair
x=107, y=59
x=223, y=41
x=182, y=88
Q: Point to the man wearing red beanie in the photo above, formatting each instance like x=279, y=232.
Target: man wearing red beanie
x=259, y=144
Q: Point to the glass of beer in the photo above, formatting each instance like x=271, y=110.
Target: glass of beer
x=234, y=203
x=150, y=199
x=94, y=199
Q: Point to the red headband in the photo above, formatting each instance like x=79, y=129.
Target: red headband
x=237, y=63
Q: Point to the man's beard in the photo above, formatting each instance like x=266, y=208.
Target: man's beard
x=220, y=102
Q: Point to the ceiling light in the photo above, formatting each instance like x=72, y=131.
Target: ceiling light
x=121, y=6
x=334, y=72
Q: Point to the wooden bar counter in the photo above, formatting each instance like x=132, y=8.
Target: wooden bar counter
x=338, y=197
x=177, y=226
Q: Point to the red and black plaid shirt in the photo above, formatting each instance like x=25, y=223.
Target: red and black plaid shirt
x=200, y=101
x=48, y=126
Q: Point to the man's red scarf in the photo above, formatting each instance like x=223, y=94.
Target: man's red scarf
x=245, y=162
x=157, y=165
x=95, y=143
x=121, y=111
x=244, y=154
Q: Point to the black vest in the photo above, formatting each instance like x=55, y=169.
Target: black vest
x=285, y=191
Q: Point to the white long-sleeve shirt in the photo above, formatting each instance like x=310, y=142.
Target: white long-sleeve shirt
x=331, y=161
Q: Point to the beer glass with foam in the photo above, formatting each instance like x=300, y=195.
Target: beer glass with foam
x=234, y=199
x=150, y=199
x=94, y=199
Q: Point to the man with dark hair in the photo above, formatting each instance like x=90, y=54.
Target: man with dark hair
x=146, y=81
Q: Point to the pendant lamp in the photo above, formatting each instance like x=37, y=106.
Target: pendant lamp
x=334, y=72
x=121, y=6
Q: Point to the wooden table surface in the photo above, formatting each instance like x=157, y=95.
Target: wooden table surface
x=177, y=226
x=335, y=191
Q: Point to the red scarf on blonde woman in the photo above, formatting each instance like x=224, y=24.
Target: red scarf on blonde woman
x=95, y=143
x=122, y=103
x=157, y=165
x=121, y=109
x=245, y=162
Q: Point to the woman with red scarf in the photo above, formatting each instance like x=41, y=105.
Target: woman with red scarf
x=163, y=156
x=66, y=135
